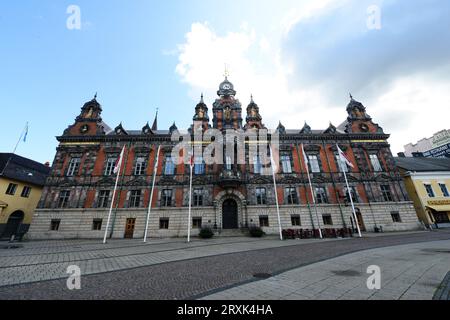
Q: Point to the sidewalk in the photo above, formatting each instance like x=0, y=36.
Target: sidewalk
x=408, y=272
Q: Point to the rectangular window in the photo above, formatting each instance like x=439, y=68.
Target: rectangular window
x=321, y=195
x=263, y=221
x=63, y=201
x=196, y=223
x=141, y=166
x=197, y=197
x=429, y=190
x=103, y=198
x=396, y=216
x=295, y=220
x=110, y=164
x=97, y=224
x=199, y=165
x=11, y=190
x=327, y=220
x=257, y=165
x=314, y=164
x=261, y=197
x=169, y=168
x=54, y=224
x=354, y=195
x=386, y=191
x=164, y=223
x=444, y=190
x=26, y=192
x=342, y=167
x=291, y=195
x=135, y=198
x=375, y=163
x=286, y=163
x=166, y=197
x=74, y=166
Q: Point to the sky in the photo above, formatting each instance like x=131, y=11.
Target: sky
x=299, y=59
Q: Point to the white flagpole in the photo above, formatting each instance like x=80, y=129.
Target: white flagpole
x=113, y=197
x=350, y=193
x=155, y=168
x=276, y=193
x=15, y=148
x=312, y=195
x=190, y=199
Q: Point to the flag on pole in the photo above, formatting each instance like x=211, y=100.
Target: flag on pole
x=305, y=157
x=344, y=158
x=26, y=133
x=119, y=161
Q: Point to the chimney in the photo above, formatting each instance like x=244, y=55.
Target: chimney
x=401, y=155
x=47, y=164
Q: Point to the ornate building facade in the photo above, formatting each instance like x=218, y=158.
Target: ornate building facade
x=78, y=193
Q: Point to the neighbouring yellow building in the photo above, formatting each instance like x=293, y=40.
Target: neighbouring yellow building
x=21, y=182
x=427, y=181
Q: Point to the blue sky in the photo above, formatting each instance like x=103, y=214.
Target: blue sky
x=299, y=59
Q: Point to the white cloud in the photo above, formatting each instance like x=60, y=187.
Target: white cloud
x=408, y=106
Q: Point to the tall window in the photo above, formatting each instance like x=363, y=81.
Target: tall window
x=429, y=190
x=354, y=194
x=261, y=197
x=11, y=190
x=141, y=166
x=198, y=197
x=135, y=198
x=444, y=190
x=228, y=163
x=286, y=163
x=166, y=197
x=257, y=165
x=375, y=163
x=386, y=191
x=342, y=167
x=103, y=198
x=169, y=168
x=291, y=195
x=110, y=164
x=321, y=195
x=314, y=163
x=199, y=165
x=74, y=166
x=26, y=192
x=63, y=200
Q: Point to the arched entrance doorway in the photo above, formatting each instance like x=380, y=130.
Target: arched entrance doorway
x=13, y=224
x=229, y=214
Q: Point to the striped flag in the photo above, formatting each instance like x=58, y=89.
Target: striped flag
x=344, y=158
x=119, y=161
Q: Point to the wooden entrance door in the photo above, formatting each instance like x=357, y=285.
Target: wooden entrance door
x=229, y=214
x=362, y=227
x=129, y=228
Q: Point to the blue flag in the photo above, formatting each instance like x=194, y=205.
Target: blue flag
x=26, y=133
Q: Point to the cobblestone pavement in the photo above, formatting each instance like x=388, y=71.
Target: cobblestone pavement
x=407, y=272
x=167, y=269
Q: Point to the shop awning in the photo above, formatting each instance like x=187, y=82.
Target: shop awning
x=442, y=208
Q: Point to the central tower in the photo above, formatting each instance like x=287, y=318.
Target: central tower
x=227, y=111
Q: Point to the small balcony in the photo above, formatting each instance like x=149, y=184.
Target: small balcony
x=230, y=178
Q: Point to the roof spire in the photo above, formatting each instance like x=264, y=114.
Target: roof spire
x=155, y=122
x=226, y=73
x=201, y=98
x=351, y=97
